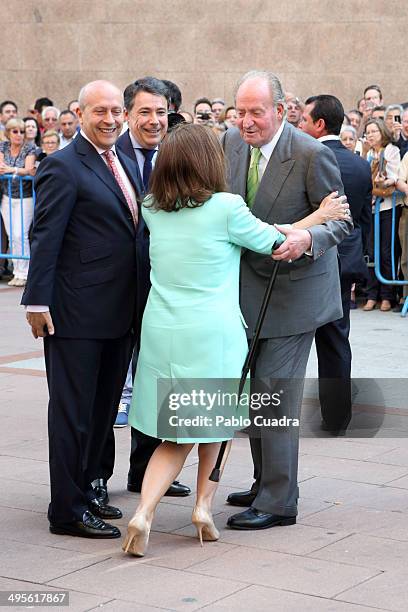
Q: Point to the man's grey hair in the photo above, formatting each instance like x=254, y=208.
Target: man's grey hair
x=55, y=110
x=349, y=128
x=274, y=83
x=392, y=107
x=84, y=91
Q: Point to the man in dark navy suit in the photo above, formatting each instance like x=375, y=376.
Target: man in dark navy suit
x=81, y=296
x=146, y=103
x=322, y=118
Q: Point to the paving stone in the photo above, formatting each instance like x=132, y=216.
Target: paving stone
x=343, y=448
x=32, y=449
x=367, y=551
x=259, y=599
x=146, y=584
x=387, y=591
x=379, y=523
x=175, y=551
x=296, y=539
x=24, y=470
x=399, y=483
x=28, y=496
x=288, y=572
x=78, y=601
x=350, y=469
x=36, y=563
x=359, y=494
x=396, y=456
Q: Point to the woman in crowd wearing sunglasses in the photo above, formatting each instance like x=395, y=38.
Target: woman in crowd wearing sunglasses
x=17, y=158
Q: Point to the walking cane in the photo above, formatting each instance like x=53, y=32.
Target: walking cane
x=215, y=474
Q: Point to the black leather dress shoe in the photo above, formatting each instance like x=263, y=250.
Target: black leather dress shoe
x=103, y=511
x=89, y=527
x=175, y=490
x=333, y=431
x=101, y=490
x=241, y=498
x=254, y=519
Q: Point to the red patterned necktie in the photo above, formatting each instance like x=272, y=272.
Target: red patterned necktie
x=110, y=158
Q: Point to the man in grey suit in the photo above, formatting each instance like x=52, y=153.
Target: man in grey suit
x=283, y=174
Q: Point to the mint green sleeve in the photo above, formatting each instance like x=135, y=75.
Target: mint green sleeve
x=246, y=230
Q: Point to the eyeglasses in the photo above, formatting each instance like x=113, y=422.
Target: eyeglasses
x=17, y=131
x=50, y=142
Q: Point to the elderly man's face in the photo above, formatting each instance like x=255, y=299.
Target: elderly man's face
x=9, y=112
x=50, y=121
x=102, y=117
x=148, y=119
x=258, y=118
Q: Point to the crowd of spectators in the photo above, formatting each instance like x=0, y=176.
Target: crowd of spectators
x=373, y=130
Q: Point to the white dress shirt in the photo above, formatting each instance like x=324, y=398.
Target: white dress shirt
x=267, y=150
x=128, y=185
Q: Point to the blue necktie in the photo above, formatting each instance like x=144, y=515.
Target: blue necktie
x=147, y=166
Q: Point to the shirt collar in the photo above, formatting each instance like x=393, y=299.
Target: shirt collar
x=328, y=137
x=269, y=147
x=98, y=149
x=135, y=143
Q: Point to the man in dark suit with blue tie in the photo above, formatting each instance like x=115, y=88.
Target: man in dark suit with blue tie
x=146, y=103
x=81, y=297
x=322, y=118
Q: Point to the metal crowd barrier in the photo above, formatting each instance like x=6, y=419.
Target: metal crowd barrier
x=377, y=256
x=6, y=181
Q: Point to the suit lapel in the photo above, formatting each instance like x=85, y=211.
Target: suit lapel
x=239, y=163
x=125, y=147
x=91, y=158
x=129, y=167
x=276, y=172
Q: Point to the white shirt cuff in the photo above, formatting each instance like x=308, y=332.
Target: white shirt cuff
x=309, y=252
x=37, y=308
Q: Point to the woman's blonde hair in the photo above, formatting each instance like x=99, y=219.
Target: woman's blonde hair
x=13, y=123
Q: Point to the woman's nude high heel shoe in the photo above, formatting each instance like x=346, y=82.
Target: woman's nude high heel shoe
x=204, y=523
x=137, y=536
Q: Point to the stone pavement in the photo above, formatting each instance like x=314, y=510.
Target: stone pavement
x=347, y=553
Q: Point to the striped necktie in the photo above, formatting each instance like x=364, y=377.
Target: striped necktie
x=110, y=158
x=253, y=177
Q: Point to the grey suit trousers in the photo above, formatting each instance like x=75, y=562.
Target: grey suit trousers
x=280, y=365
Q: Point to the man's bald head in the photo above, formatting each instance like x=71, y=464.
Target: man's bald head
x=101, y=113
x=96, y=88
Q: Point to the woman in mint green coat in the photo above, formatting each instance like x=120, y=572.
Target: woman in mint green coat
x=192, y=326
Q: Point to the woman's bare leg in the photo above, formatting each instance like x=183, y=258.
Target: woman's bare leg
x=202, y=517
x=164, y=466
x=207, y=456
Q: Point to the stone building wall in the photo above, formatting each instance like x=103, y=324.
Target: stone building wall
x=52, y=47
